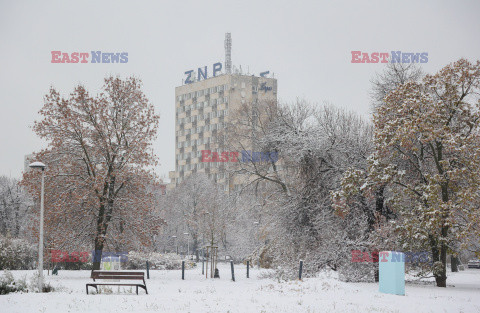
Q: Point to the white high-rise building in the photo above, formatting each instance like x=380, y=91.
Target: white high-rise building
x=202, y=111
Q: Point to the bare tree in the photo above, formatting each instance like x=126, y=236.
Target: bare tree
x=15, y=205
x=393, y=76
x=315, y=146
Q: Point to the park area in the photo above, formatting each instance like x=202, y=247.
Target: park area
x=167, y=292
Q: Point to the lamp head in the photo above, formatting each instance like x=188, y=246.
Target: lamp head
x=39, y=165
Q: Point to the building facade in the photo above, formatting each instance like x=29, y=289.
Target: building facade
x=202, y=112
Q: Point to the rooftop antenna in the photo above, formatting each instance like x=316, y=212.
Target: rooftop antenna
x=228, y=53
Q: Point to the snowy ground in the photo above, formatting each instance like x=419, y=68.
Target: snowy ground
x=168, y=293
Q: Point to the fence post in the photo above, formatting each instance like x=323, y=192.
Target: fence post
x=233, y=273
x=148, y=270
x=300, y=270
x=183, y=270
x=248, y=269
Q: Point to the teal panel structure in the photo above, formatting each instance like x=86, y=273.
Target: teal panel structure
x=391, y=272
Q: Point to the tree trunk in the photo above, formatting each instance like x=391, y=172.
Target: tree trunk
x=104, y=217
x=441, y=280
x=440, y=256
x=195, y=247
x=440, y=275
x=97, y=255
x=99, y=239
x=454, y=262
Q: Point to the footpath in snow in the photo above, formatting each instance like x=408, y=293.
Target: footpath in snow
x=168, y=293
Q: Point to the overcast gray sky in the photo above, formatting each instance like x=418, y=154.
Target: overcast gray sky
x=307, y=44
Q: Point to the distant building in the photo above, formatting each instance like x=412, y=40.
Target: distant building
x=202, y=110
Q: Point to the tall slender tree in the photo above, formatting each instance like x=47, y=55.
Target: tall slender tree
x=99, y=160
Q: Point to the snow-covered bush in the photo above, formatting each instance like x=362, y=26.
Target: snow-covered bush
x=33, y=284
x=16, y=254
x=8, y=283
x=357, y=272
x=158, y=261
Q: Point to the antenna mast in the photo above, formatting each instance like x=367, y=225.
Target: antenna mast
x=228, y=53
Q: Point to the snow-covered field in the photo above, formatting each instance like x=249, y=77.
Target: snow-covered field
x=168, y=293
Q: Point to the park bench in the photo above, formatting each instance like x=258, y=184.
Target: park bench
x=117, y=275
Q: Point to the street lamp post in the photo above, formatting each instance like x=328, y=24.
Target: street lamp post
x=41, y=166
x=203, y=243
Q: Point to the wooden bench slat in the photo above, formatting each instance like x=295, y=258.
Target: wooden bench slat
x=118, y=272
x=120, y=275
x=114, y=284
